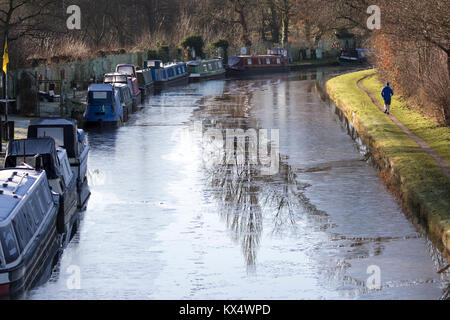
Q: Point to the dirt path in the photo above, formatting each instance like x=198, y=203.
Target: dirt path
x=422, y=144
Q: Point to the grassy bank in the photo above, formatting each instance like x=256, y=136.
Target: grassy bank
x=438, y=138
x=411, y=174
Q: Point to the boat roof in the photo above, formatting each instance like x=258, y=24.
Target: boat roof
x=31, y=147
x=198, y=62
x=100, y=87
x=174, y=64
x=14, y=185
x=261, y=56
x=52, y=122
x=125, y=65
x=121, y=85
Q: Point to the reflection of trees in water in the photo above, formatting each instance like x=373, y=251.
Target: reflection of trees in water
x=246, y=197
x=239, y=206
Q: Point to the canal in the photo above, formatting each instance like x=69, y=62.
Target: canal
x=307, y=218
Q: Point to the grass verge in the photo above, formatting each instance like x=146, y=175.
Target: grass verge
x=437, y=137
x=412, y=175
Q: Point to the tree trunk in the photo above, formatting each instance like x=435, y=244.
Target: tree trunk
x=308, y=32
x=448, y=63
x=274, y=26
x=285, y=29
x=243, y=22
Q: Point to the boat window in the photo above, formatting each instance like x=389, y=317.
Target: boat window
x=67, y=172
x=56, y=133
x=42, y=200
x=115, y=79
x=278, y=61
x=249, y=61
x=205, y=68
x=99, y=97
x=9, y=245
x=259, y=61
x=46, y=197
x=267, y=61
x=23, y=230
x=28, y=210
x=128, y=70
x=210, y=67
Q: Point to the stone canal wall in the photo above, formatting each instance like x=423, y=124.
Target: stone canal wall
x=425, y=201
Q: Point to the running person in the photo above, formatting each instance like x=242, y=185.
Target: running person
x=387, y=93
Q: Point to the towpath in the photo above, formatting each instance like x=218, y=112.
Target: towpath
x=422, y=144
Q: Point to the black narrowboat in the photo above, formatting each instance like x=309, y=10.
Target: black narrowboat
x=66, y=134
x=42, y=152
x=29, y=242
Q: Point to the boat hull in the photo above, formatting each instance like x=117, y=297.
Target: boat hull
x=100, y=124
x=146, y=92
x=245, y=71
x=201, y=77
x=137, y=100
x=172, y=82
x=36, y=264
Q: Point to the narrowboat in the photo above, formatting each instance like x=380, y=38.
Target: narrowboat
x=257, y=64
x=145, y=81
x=66, y=134
x=29, y=242
x=104, y=107
x=120, y=80
x=205, y=69
x=130, y=71
x=353, y=56
x=42, y=153
x=175, y=73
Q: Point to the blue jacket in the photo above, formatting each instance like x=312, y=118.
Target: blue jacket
x=387, y=93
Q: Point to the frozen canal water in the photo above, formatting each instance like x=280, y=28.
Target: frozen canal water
x=167, y=222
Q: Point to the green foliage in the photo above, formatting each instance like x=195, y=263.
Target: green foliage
x=194, y=42
x=224, y=44
x=221, y=43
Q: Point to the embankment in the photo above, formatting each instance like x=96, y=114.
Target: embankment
x=414, y=177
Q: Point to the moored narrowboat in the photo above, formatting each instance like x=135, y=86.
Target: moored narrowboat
x=175, y=73
x=42, y=153
x=257, y=64
x=66, y=134
x=29, y=242
x=130, y=71
x=104, y=107
x=353, y=56
x=205, y=69
x=120, y=80
x=145, y=81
